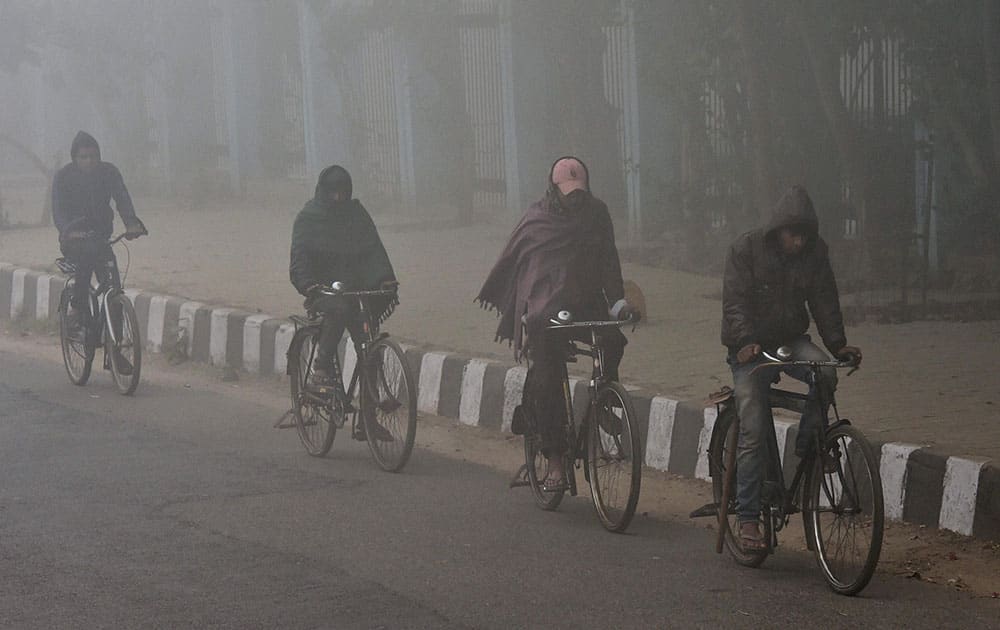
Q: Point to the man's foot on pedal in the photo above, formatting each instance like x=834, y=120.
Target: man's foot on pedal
x=555, y=484
x=123, y=365
x=322, y=381
x=831, y=460
x=609, y=422
x=380, y=433
x=750, y=537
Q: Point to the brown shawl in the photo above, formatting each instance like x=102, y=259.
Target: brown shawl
x=549, y=264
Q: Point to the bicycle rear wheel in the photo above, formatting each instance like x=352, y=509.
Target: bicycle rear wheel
x=614, y=457
x=846, y=511
x=724, y=440
x=77, y=350
x=390, y=407
x=125, y=355
x=313, y=413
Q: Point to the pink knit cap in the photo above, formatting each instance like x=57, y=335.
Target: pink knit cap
x=569, y=174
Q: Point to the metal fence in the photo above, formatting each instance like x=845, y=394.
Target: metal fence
x=482, y=71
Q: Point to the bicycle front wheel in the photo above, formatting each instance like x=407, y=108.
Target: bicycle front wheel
x=77, y=350
x=846, y=512
x=614, y=457
x=125, y=354
x=312, y=412
x=722, y=451
x=390, y=406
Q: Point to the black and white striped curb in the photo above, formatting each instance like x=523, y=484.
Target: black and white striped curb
x=921, y=485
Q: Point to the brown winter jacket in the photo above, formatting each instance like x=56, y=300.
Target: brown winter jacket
x=765, y=294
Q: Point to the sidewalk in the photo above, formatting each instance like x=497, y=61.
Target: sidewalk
x=925, y=384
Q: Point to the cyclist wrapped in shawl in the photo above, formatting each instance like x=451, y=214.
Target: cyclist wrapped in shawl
x=561, y=256
x=334, y=240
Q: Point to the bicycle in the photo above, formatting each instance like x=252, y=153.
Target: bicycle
x=607, y=443
x=381, y=379
x=837, y=486
x=108, y=320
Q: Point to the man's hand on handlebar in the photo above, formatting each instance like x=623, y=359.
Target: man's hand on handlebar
x=134, y=231
x=748, y=352
x=629, y=313
x=850, y=354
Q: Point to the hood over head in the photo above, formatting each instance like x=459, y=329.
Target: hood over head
x=794, y=209
x=332, y=178
x=83, y=139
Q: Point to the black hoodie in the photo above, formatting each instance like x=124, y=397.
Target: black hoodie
x=765, y=294
x=81, y=202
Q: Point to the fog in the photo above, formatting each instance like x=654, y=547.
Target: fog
x=692, y=116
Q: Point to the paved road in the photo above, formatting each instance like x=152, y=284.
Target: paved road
x=183, y=508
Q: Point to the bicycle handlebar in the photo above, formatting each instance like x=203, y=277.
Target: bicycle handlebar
x=853, y=363
x=123, y=235
x=557, y=325
x=393, y=290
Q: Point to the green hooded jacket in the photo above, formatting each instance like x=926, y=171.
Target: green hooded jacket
x=336, y=242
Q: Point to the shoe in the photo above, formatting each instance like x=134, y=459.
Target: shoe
x=322, y=380
x=831, y=461
x=555, y=485
x=519, y=421
x=380, y=433
x=609, y=422
x=123, y=365
x=750, y=537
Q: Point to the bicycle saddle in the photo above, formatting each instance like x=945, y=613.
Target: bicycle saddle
x=719, y=397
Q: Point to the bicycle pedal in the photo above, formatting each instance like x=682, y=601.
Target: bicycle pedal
x=286, y=421
x=709, y=509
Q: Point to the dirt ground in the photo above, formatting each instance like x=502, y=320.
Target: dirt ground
x=929, y=383
x=909, y=552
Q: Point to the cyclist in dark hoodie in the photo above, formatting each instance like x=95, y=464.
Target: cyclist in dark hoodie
x=81, y=210
x=772, y=274
x=334, y=240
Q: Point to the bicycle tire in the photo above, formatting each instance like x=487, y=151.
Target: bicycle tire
x=77, y=351
x=128, y=348
x=858, y=507
x=313, y=419
x=536, y=462
x=614, y=457
x=389, y=380
x=723, y=438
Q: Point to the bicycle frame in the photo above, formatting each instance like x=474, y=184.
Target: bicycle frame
x=371, y=337
x=782, y=500
x=578, y=437
x=97, y=302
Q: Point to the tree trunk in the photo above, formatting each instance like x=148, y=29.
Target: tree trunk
x=849, y=143
x=991, y=56
x=758, y=96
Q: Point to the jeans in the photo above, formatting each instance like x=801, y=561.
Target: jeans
x=90, y=257
x=752, y=392
x=543, y=394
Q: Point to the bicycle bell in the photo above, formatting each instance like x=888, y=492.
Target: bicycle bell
x=784, y=353
x=564, y=317
x=337, y=286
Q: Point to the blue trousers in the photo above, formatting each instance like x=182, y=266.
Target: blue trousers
x=752, y=391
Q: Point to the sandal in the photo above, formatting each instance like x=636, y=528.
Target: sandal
x=555, y=485
x=750, y=537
